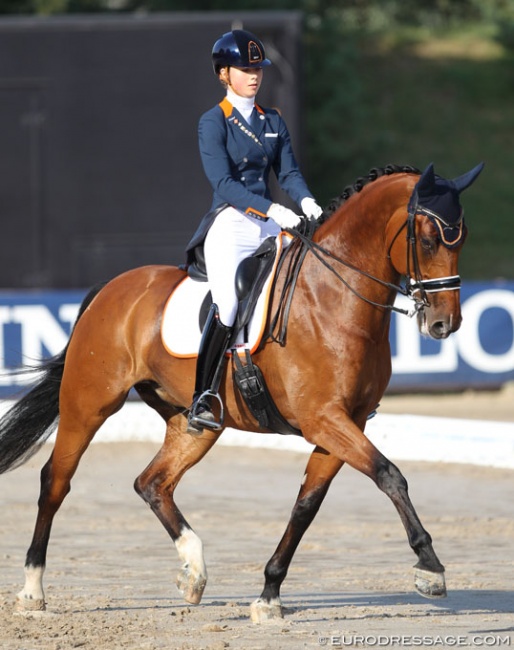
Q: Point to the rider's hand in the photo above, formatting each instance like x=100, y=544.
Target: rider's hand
x=284, y=217
x=310, y=208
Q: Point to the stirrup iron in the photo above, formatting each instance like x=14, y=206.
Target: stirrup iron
x=196, y=419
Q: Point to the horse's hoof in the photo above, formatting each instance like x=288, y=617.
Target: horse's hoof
x=29, y=605
x=430, y=584
x=262, y=610
x=190, y=586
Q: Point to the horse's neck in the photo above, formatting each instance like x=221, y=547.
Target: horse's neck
x=357, y=231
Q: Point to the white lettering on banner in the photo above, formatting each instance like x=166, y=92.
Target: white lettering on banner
x=470, y=346
x=38, y=328
x=40, y=331
x=408, y=357
x=68, y=313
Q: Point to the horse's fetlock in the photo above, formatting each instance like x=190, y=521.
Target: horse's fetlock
x=275, y=572
x=421, y=541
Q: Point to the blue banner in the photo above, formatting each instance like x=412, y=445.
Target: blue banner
x=480, y=354
x=35, y=325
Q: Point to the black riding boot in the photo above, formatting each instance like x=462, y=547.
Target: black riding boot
x=209, y=369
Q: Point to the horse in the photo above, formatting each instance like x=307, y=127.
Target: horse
x=325, y=375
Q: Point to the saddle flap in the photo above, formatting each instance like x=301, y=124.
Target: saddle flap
x=251, y=276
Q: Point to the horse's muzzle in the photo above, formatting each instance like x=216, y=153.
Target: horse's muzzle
x=438, y=327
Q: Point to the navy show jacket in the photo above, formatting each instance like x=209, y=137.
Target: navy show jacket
x=238, y=158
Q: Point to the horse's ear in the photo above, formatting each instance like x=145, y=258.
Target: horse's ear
x=462, y=182
x=426, y=181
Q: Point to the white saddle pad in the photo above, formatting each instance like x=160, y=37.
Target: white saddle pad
x=180, y=329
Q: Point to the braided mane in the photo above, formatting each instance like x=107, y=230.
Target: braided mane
x=372, y=175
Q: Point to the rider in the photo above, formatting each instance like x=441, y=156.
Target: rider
x=240, y=143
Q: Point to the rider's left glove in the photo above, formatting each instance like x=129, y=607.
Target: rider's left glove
x=310, y=208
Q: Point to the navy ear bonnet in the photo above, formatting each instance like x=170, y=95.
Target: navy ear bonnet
x=438, y=199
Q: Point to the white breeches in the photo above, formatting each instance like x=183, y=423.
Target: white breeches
x=232, y=237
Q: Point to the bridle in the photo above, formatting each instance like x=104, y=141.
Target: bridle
x=414, y=282
x=415, y=288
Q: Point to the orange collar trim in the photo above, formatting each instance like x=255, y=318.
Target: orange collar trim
x=227, y=107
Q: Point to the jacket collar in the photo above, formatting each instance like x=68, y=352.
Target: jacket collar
x=229, y=110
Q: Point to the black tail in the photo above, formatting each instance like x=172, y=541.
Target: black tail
x=31, y=420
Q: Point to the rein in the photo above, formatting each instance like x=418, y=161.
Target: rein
x=414, y=283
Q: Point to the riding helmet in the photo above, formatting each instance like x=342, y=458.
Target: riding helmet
x=238, y=48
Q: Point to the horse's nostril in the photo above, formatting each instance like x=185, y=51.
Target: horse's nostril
x=439, y=329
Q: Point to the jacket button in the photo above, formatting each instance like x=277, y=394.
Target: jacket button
x=243, y=178
x=260, y=178
x=245, y=159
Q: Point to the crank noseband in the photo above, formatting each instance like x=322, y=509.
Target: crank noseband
x=449, y=283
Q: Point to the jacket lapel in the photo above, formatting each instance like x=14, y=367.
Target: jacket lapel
x=235, y=118
x=259, y=121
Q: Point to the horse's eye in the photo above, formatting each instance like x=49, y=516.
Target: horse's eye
x=427, y=243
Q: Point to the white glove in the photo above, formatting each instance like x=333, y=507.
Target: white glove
x=310, y=208
x=283, y=216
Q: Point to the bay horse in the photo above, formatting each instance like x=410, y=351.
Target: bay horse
x=326, y=376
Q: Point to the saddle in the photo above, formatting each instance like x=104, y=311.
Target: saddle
x=251, y=276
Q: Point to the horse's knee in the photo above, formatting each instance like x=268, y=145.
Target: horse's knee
x=389, y=478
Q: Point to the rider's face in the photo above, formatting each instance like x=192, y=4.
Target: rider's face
x=245, y=82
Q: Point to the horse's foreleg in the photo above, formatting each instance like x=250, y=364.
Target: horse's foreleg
x=352, y=446
x=429, y=572
x=156, y=485
x=321, y=469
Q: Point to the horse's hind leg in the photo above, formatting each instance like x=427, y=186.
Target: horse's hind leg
x=321, y=469
x=75, y=432
x=156, y=485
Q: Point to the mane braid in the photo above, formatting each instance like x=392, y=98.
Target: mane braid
x=372, y=175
